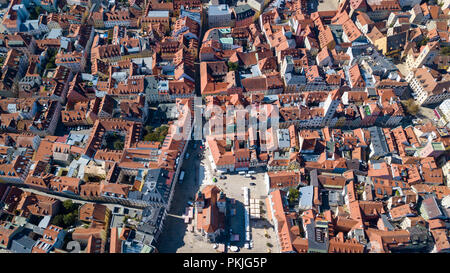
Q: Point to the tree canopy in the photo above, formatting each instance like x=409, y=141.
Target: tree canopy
x=293, y=195
x=158, y=134
x=445, y=50
x=68, y=215
x=411, y=107
x=69, y=206
x=118, y=145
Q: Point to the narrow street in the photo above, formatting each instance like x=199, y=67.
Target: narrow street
x=171, y=238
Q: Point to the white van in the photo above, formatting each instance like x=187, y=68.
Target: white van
x=241, y=172
x=180, y=179
x=251, y=172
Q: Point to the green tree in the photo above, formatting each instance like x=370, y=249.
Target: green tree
x=51, y=59
x=158, y=134
x=68, y=205
x=70, y=219
x=118, y=145
x=58, y=220
x=293, y=195
x=411, y=107
x=162, y=133
x=34, y=13
x=423, y=42
x=148, y=129
x=50, y=65
x=445, y=50
x=233, y=66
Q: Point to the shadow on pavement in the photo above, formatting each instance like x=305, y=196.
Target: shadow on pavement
x=172, y=237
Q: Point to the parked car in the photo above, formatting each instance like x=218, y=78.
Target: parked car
x=222, y=177
x=252, y=177
x=234, y=248
x=252, y=184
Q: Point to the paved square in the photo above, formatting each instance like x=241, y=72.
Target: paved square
x=176, y=236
